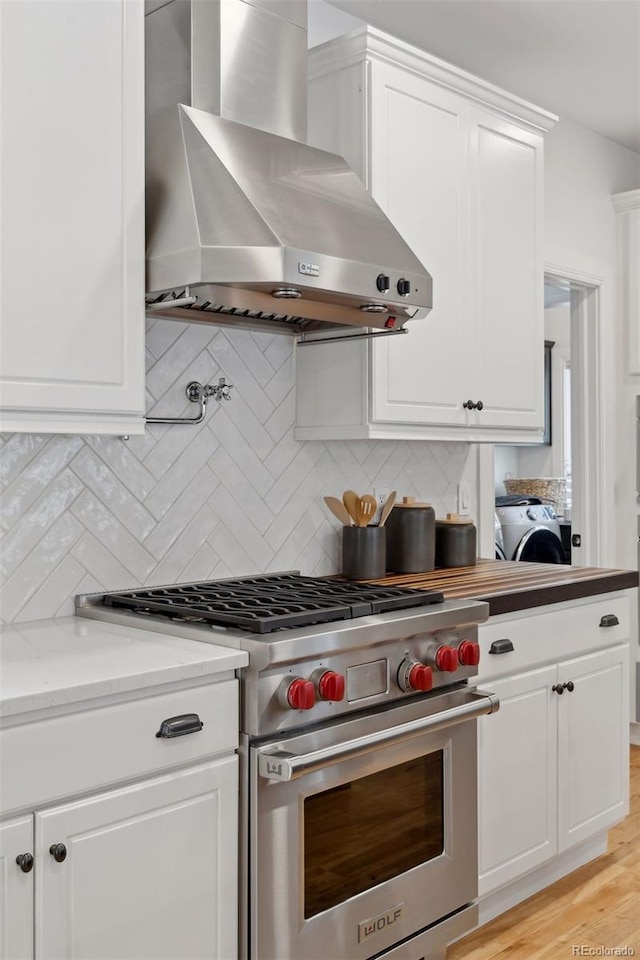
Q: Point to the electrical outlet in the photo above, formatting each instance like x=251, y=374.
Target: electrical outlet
x=380, y=494
x=464, y=499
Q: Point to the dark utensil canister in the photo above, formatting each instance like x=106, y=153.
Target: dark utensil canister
x=411, y=537
x=363, y=552
x=455, y=542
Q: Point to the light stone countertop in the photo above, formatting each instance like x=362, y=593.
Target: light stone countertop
x=53, y=663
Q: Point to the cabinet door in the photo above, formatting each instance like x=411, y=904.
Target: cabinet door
x=72, y=216
x=419, y=176
x=517, y=779
x=16, y=891
x=150, y=870
x=507, y=271
x=593, y=745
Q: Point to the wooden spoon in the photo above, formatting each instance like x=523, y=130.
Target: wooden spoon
x=339, y=510
x=351, y=499
x=386, y=510
x=365, y=510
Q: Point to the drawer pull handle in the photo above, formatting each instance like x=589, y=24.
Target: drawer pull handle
x=58, y=851
x=609, y=620
x=501, y=646
x=180, y=726
x=25, y=862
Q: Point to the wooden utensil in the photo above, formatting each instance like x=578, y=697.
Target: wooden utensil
x=365, y=510
x=351, y=499
x=339, y=510
x=386, y=509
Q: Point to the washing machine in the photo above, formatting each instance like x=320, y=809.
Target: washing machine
x=529, y=530
x=498, y=537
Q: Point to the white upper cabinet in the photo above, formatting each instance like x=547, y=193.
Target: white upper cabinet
x=627, y=207
x=457, y=166
x=72, y=216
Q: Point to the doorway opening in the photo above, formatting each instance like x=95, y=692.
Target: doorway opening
x=573, y=446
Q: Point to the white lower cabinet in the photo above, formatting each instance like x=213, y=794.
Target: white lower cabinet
x=147, y=871
x=517, y=779
x=554, y=761
x=593, y=745
x=16, y=889
x=132, y=829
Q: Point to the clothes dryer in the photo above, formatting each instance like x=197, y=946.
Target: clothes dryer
x=530, y=530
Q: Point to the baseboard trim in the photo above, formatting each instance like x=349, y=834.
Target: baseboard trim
x=634, y=734
x=497, y=902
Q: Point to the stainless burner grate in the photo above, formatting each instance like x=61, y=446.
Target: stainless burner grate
x=271, y=602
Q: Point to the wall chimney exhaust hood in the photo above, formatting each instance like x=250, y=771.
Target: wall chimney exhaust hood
x=246, y=223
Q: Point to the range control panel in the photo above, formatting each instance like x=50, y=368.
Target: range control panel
x=358, y=679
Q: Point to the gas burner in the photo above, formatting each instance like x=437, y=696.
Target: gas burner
x=264, y=604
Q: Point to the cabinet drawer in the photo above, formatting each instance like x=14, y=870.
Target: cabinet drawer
x=61, y=756
x=552, y=634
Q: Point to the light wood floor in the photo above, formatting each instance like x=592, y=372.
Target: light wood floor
x=595, y=906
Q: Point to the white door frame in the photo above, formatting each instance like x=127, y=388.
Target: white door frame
x=591, y=454
x=590, y=477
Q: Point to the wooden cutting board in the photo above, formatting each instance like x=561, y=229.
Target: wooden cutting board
x=508, y=586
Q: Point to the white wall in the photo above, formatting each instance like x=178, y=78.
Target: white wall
x=582, y=171
x=326, y=22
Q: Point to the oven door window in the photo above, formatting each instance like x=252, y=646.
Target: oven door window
x=372, y=829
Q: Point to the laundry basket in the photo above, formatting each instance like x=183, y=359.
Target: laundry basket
x=551, y=489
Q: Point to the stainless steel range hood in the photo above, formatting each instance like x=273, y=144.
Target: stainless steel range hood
x=245, y=222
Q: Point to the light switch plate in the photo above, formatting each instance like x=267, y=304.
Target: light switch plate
x=464, y=499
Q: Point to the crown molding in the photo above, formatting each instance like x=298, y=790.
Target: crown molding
x=368, y=43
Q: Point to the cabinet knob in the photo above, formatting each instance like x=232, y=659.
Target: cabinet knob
x=58, y=851
x=25, y=862
x=561, y=687
x=558, y=687
x=569, y=686
x=471, y=405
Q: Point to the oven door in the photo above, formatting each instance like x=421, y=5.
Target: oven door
x=363, y=833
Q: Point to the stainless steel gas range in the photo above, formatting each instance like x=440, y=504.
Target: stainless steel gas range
x=359, y=754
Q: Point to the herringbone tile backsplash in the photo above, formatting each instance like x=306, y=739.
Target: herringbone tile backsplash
x=233, y=495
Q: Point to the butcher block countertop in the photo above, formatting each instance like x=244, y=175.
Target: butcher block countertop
x=508, y=586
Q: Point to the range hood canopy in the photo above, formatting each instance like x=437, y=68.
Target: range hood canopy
x=247, y=223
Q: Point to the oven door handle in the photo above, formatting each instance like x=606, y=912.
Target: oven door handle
x=281, y=765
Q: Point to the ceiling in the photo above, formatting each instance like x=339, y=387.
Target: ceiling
x=577, y=58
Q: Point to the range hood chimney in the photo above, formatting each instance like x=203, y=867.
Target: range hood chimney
x=245, y=222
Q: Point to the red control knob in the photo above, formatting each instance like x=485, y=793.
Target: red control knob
x=301, y=694
x=469, y=653
x=420, y=677
x=413, y=675
x=331, y=686
x=446, y=659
